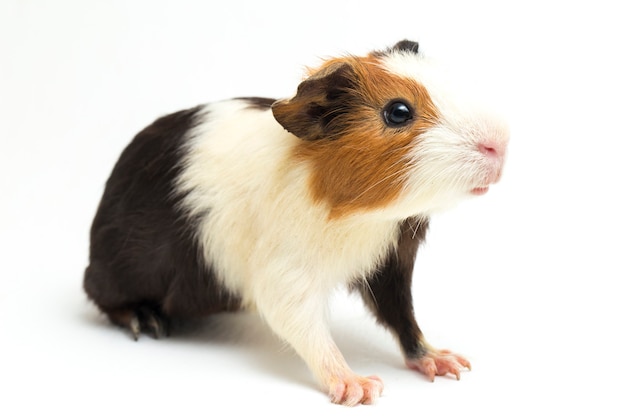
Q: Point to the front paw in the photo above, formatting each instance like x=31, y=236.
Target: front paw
x=353, y=389
x=438, y=363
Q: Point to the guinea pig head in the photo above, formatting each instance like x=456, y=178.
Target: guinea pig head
x=382, y=134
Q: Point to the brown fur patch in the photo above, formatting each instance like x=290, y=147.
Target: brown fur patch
x=362, y=163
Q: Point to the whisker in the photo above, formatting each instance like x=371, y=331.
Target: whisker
x=415, y=227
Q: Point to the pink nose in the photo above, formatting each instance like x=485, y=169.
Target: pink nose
x=494, y=151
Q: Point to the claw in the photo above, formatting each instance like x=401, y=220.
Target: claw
x=135, y=327
x=463, y=362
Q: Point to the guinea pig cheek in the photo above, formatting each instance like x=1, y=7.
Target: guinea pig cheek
x=445, y=168
x=357, y=172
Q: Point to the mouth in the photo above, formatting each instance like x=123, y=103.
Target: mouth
x=479, y=190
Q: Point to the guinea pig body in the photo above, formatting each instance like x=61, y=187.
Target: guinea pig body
x=272, y=204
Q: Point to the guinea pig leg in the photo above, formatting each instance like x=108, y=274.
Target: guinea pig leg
x=302, y=322
x=392, y=305
x=388, y=295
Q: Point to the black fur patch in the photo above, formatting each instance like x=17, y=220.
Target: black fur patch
x=388, y=291
x=404, y=46
x=143, y=252
x=315, y=111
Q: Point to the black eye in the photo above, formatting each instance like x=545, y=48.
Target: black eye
x=397, y=114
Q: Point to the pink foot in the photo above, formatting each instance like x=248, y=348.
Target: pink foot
x=439, y=362
x=352, y=390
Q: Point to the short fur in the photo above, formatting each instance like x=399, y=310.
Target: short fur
x=272, y=204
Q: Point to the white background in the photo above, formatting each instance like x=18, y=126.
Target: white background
x=527, y=281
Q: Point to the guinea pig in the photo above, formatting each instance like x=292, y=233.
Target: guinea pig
x=271, y=205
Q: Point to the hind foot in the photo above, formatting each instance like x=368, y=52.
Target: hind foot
x=141, y=319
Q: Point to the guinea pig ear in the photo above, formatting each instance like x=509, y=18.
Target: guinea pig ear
x=320, y=99
x=406, y=46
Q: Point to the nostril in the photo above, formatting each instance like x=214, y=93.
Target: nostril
x=487, y=150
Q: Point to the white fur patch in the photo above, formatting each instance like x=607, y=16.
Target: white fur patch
x=260, y=229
